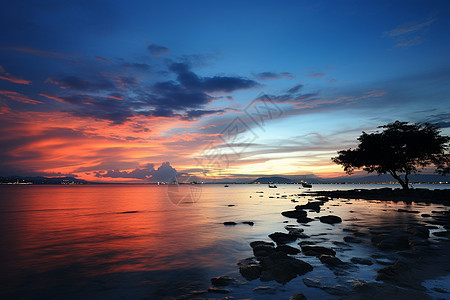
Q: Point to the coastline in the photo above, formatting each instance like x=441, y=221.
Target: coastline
x=404, y=256
x=388, y=194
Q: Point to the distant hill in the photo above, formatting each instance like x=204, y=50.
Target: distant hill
x=266, y=180
x=42, y=180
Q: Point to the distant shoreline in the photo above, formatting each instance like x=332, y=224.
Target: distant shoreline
x=388, y=194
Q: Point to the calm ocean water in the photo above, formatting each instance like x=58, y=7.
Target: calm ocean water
x=157, y=242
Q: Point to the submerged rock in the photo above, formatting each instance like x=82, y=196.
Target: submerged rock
x=298, y=296
x=361, y=261
x=218, y=290
x=351, y=239
x=332, y=261
x=250, y=271
x=223, y=280
x=284, y=268
x=399, y=274
x=397, y=240
x=265, y=290
x=312, y=282
x=330, y=219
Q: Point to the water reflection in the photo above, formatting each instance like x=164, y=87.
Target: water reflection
x=135, y=241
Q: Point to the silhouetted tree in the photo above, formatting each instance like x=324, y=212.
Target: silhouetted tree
x=399, y=148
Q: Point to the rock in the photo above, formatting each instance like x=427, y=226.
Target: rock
x=248, y=261
x=425, y=215
x=376, y=290
x=284, y=268
x=223, y=280
x=248, y=223
x=218, y=290
x=259, y=243
x=265, y=290
x=311, y=282
x=263, y=250
x=400, y=274
x=282, y=238
x=330, y=219
x=418, y=230
x=250, y=268
x=442, y=234
x=266, y=275
x=351, y=239
x=311, y=205
x=298, y=296
x=295, y=214
x=317, y=250
x=337, y=290
x=361, y=261
x=250, y=272
x=294, y=230
x=408, y=211
x=229, y=223
x=332, y=261
x=287, y=249
x=394, y=241
x=304, y=220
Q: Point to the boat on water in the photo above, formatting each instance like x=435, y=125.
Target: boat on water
x=273, y=186
x=226, y=185
x=306, y=185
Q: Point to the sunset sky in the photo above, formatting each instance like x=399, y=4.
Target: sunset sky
x=137, y=91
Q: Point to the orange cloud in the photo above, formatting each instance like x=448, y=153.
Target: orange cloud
x=6, y=76
x=19, y=97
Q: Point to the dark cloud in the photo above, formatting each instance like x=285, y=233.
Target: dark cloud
x=137, y=66
x=104, y=108
x=273, y=76
x=294, y=89
x=79, y=84
x=165, y=173
x=198, y=113
x=441, y=120
x=191, y=81
x=157, y=50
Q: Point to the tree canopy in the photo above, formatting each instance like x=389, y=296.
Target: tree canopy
x=400, y=148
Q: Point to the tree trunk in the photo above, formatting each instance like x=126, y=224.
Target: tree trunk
x=404, y=183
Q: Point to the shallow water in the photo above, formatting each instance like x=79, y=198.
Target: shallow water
x=155, y=242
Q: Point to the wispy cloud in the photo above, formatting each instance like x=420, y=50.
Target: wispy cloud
x=18, y=97
x=409, y=34
x=274, y=76
x=157, y=50
x=6, y=76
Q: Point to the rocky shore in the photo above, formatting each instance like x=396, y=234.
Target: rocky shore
x=388, y=194
x=402, y=256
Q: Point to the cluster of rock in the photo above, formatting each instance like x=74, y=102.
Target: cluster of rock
x=273, y=262
x=301, y=214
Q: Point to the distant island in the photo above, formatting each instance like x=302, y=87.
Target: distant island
x=41, y=180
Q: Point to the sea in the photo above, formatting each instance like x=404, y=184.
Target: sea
x=168, y=241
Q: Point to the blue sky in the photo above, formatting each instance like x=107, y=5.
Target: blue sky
x=108, y=90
